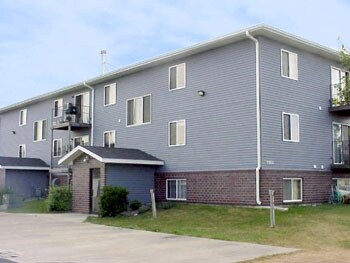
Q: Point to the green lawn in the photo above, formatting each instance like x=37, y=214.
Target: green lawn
x=308, y=227
x=35, y=206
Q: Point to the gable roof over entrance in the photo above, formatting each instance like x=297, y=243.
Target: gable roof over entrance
x=16, y=163
x=112, y=155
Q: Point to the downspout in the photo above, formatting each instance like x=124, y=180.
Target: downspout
x=92, y=111
x=258, y=121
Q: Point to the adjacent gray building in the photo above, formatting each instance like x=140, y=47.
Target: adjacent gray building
x=231, y=118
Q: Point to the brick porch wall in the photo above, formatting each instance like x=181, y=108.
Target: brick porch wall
x=81, y=183
x=238, y=187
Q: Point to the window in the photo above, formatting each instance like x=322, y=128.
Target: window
x=110, y=94
x=40, y=130
x=177, y=133
x=177, y=77
x=21, y=150
x=338, y=79
x=57, y=148
x=82, y=140
x=57, y=108
x=290, y=127
x=343, y=184
x=292, y=190
x=176, y=189
x=289, y=64
x=23, y=117
x=139, y=110
x=109, y=139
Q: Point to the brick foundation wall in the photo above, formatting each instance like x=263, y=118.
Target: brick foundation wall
x=81, y=183
x=316, y=185
x=238, y=187
x=222, y=187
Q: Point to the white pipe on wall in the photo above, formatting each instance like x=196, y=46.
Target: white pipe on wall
x=258, y=120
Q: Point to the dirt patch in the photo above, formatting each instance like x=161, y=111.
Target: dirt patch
x=334, y=255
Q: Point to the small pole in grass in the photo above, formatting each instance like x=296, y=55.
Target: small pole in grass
x=154, y=209
x=272, y=208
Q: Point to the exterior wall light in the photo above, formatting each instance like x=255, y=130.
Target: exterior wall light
x=86, y=159
x=201, y=93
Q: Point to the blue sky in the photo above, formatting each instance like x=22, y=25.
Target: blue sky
x=46, y=45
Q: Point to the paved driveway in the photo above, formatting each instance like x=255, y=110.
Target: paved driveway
x=65, y=238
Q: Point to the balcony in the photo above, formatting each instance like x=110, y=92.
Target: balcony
x=71, y=118
x=341, y=155
x=340, y=99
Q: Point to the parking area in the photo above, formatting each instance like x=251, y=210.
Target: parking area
x=65, y=238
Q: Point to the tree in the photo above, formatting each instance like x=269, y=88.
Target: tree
x=344, y=90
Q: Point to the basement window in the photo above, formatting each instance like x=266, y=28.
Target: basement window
x=292, y=190
x=176, y=189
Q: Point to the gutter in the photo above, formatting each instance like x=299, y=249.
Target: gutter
x=92, y=111
x=258, y=119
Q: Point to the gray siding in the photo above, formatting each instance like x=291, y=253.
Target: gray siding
x=25, y=134
x=138, y=180
x=220, y=127
x=24, y=183
x=304, y=97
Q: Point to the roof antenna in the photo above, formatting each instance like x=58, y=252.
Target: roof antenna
x=104, y=63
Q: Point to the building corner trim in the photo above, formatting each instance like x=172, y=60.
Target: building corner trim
x=92, y=111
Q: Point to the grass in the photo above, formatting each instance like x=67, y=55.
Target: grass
x=307, y=227
x=34, y=206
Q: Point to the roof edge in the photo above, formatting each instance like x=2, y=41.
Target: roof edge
x=260, y=29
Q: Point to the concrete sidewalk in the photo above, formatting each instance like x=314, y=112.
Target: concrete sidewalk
x=65, y=238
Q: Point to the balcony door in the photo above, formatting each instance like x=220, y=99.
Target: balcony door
x=338, y=79
x=82, y=102
x=341, y=138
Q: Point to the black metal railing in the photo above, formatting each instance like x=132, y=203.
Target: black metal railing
x=337, y=95
x=71, y=113
x=341, y=152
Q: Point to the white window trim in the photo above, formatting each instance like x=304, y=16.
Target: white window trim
x=289, y=52
x=60, y=112
x=340, y=178
x=104, y=94
x=42, y=140
x=80, y=137
x=176, y=145
x=337, y=123
x=175, y=66
x=166, y=189
x=340, y=69
x=150, y=113
x=112, y=131
x=25, y=119
x=290, y=114
x=53, y=148
x=301, y=190
x=25, y=150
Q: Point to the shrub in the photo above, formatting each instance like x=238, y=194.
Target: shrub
x=113, y=201
x=135, y=205
x=59, y=199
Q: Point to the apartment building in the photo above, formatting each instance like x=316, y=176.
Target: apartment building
x=220, y=122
